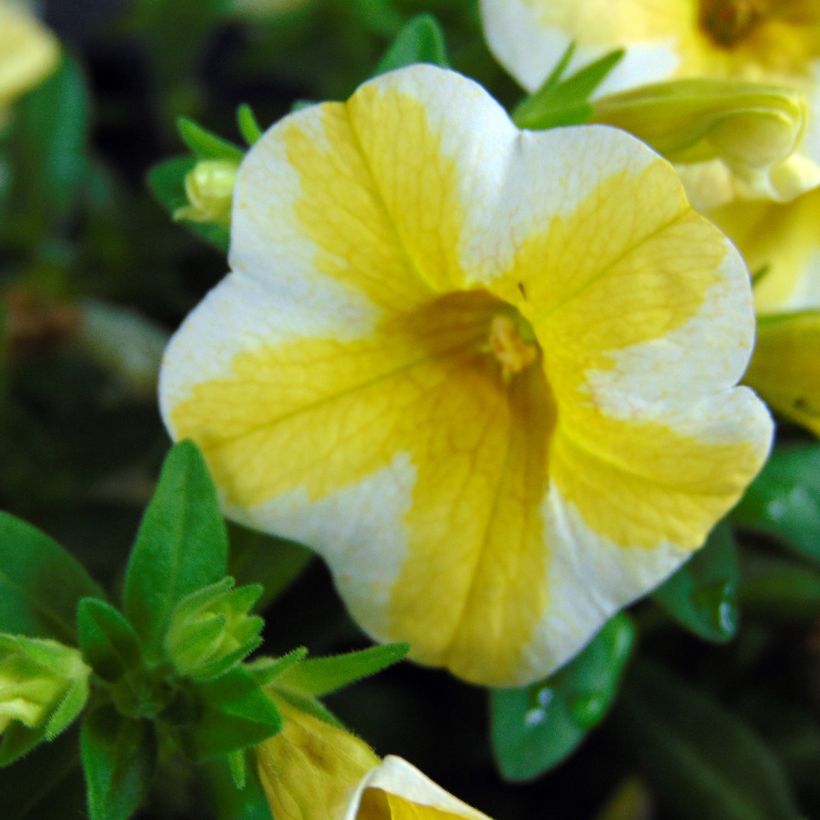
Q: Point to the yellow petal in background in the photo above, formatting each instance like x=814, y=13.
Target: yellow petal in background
x=740, y=40
x=28, y=52
x=785, y=368
x=488, y=374
x=781, y=245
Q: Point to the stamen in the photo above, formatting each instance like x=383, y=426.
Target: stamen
x=511, y=343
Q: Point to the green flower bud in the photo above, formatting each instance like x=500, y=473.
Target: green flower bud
x=754, y=130
x=211, y=630
x=42, y=683
x=209, y=188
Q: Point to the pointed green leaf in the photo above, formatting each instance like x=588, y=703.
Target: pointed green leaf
x=565, y=102
x=266, y=670
x=535, y=727
x=703, y=761
x=320, y=676
x=784, y=500
x=181, y=545
x=702, y=594
x=108, y=642
x=238, y=764
x=118, y=755
x=205, y=144
x=167, y=183
x=235, y=713
x=230, y=802
x=40, y=583
x=420, y=41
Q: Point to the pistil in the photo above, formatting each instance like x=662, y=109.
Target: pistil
x=512, y=343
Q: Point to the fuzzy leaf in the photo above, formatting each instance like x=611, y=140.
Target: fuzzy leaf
x=40, y=583
x=108, y=642
x=320, y=676
x=181, y=545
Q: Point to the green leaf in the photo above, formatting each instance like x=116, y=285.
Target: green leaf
x=703, y=761
x=108, y=642
x=230, y=802
x=205, y=144
x=167, y=183
x=533, y=728
x=235, y=713
x=118, y=755
x=46, y=783
x=40, y=583
x=565, y=102
x=181, y=545
x=320, y=676
x=266, y=670
x=247, y=123
x=272, y=562
x=780, y=589
x=51, y=129
x=784, y=500
x=702, y=595
x=420, y=41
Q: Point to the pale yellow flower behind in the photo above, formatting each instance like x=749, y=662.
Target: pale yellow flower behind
x=764, y=41
x=488, y=374
x=28, y=52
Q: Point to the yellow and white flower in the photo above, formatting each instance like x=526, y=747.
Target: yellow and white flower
x=28, y=52
x=488, y=374
x=762, y=41
x=312, y=770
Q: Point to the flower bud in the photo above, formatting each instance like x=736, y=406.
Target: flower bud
x=36, y=679
x=209, y=188
x=753, y=130
x=310, y=770
x=211, y=631
x=313, y=770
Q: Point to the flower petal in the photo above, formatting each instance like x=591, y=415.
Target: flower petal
x=398, y=791
x=781, y=245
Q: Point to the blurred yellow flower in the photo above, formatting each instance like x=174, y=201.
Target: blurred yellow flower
x=312, y=770
x=781, y=244
x=488, y=374
x=28, y=52
x=763, y=41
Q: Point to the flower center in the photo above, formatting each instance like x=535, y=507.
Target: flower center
x=729, y=21
x=512, y=342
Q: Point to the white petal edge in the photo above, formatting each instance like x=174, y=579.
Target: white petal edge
x=396, y=776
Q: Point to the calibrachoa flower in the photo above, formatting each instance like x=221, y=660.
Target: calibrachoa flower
x=488, y=374
x=28, y=52
x=781, y=243
x=764, y=41
x=312, y=770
